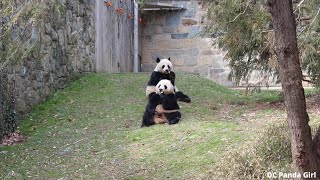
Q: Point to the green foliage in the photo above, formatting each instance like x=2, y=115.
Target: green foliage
x=244, y=28
x=141, y=3
x=7, y=111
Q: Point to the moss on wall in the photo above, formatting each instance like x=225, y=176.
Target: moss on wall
x=21, y=24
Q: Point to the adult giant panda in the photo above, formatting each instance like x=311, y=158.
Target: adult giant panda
x=163, y=70
x=162, y=106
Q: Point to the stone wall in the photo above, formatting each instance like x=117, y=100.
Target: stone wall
x=62, y=46
x=178, y=34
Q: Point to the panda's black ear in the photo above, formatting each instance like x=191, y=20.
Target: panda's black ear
x=169, y=58
x=158, y=60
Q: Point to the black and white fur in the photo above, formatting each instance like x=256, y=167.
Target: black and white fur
x=162, y=106
x=163, y=70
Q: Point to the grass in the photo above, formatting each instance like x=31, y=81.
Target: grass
x=91, y=130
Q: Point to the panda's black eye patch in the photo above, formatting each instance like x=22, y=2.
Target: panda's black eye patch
x=159, y=85
x=165, y=87
x=163, y=66
x=169, y=67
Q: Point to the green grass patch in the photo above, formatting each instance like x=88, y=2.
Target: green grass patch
x=91, y=130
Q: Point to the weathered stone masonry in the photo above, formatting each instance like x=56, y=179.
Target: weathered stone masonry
x=64, y=48
x=178, y=34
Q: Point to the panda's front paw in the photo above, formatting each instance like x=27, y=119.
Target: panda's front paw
x=182, y=97
x=187, y=100
x=162, y=95
x=174, y=120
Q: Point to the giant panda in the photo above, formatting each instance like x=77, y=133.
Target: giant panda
x=163, y=70
x=162, y=106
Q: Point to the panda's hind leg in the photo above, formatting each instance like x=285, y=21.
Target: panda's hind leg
x=174, y=118
x=147, y=119
x=148, y=116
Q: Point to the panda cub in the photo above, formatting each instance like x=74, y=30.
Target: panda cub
x=162, y=106
x=163, y=70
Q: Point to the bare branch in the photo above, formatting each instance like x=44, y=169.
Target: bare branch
x=241, y=12
x=305, y=18
x=266, y=31
x=306, y=80
x=309, y=25
x=314, y=19
x=298, y=6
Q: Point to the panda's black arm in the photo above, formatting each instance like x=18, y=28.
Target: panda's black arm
x=182, y=97
x=172, y=77
x=154, y=100
x=169, y=102
x=154, y=78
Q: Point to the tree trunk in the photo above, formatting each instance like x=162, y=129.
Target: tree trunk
x=303, y=154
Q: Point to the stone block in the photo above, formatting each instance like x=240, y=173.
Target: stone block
x=178, y=61
x=80, y=23
x=190, y=13
x=61, y=37
x=147, y=67
x=206, y=43
x=205, y=60
x=184, y=69
x=180, y=36
x=54, y=36
x=182, y=4
x=23, y=72
x=189, y=22
x=220, y=76
x=47, y=28
x=216, y=71
x=81, y=10
x=15, y=32
x=5, y=20
x=46, y=40
x=201, y=69
x=191, y=61
x=174, y=44
x=153, y=29
x=174, y=19
x=34, y=34
x=220, y=62
x=73, y=38
x=177, y=52
x=191, y=9
x=210, y=52
x=62, y=82
x=195, y=52
x=169, y=29
x=69, y=16
x=23, y=35
x=39, y=76
x=21, y=106
x=155, y=55
x=158, y=37
x=195, y=31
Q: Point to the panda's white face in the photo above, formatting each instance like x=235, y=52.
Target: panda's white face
x=164, y=87
x=164, y=66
